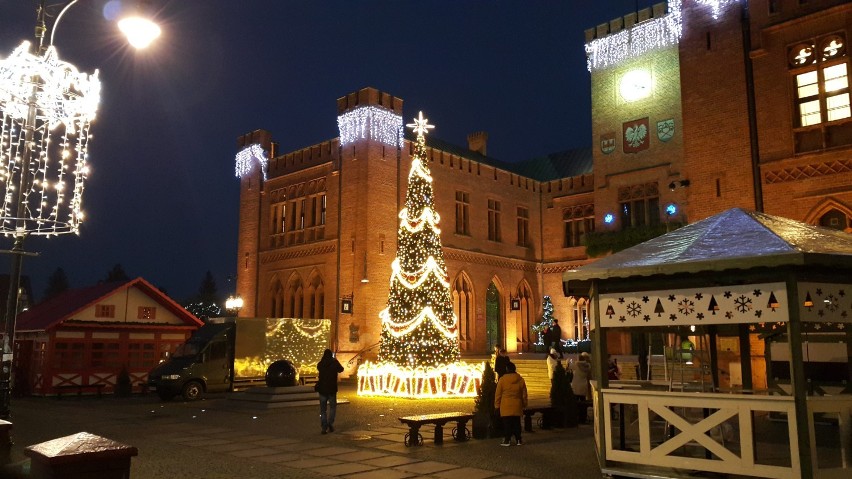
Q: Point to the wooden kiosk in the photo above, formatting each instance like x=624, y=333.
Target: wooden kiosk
x=751, y=280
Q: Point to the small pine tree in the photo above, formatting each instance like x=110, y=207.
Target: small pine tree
x=57, y=283
x=546, y=320
x=116, y=274
x=123, y=385
x=483, y=404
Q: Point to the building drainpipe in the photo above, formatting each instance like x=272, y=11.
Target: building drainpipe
x=335, y=328
x=752, y=108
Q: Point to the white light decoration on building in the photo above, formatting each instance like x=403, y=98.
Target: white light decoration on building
x=717, y=5
x=246, y=158
x=651, y=34
x=636, y=85
x=370, y=123
x=637, y=40
x=47, y=106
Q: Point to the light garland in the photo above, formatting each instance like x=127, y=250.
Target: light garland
x=428, y=217
x=62, y=102
x=651, y=34
x=451, y=380
x=415, y=279
x=245, y=159
x=370, y=123
x=637, y=40
x=400, y=329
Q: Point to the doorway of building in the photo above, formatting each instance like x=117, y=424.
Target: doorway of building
x=492, y=316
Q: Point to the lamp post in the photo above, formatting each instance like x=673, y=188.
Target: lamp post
x=46, y=109
x=235, y=304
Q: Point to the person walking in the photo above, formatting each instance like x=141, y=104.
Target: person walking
x=580, y=382
x=501, y=360
x=326, y=386
x=511, y=399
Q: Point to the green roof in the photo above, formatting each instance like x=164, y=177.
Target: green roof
x=564, y=164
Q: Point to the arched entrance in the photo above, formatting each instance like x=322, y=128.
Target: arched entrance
x=492, y=316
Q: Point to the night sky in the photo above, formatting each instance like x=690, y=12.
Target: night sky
x=162, y=199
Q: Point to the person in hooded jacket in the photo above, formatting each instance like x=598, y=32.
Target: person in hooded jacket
x=552, y=361
x=511, y=399
x=326, y=386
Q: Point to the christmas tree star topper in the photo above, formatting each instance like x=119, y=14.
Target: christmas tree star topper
x=420, y=126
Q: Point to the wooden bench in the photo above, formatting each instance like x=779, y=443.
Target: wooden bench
x=79, y=388
x=531, y=411
x=460, y=432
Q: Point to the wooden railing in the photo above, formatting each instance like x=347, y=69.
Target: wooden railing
x=715, y=432
x=681, y=430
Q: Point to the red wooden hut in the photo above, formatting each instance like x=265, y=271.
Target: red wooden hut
x=86, y=337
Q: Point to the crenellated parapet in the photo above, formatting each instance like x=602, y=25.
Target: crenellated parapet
x=370, y=114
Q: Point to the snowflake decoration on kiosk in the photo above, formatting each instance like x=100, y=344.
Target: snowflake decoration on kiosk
x=419, y=354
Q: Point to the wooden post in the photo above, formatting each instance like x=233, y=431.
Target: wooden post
x=599, y=352
x=798, y=380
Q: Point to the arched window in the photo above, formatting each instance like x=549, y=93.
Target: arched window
x=463, y=306
x=315, y=297
x=276, y=308
x=295, y=297
x=834, y=219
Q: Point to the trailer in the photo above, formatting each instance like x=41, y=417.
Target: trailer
x=228, y=352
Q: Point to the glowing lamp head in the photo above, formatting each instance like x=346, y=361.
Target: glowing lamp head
x=671, y=209
x=140, y=32
x=609, y=218
x=636, y=85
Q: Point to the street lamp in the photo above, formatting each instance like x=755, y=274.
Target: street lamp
x=235, y=304
x=46, y=110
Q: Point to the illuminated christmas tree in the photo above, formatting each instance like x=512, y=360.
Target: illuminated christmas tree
x=419, y=354
x=418, y=326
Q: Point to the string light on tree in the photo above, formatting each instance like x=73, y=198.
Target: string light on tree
x=419, y=354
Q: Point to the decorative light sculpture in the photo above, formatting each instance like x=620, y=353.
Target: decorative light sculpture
x=419, y=354
x=47, y=107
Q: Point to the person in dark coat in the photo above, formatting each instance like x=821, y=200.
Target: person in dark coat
x=326, y=386
x=501, y=362
x=556, y=338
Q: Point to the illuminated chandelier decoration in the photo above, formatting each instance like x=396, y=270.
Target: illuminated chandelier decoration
x=246, y=158
x=651, y=34
x=47, y=107
x=419, y=354
x=370, y=123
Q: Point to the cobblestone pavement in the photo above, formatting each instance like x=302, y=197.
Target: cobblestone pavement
x=223, y=438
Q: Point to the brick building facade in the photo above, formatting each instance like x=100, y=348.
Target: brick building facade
x=724, y=92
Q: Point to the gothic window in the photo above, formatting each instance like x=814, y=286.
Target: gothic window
x=578, y=221
x=523, y=226
x=525, y=315
x=821, y=72
x=463, y=306
x=494, y=220
x=462, y=213
x=834, y=219
x=639, y=205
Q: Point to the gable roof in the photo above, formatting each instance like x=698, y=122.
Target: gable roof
x=733, y=239
x=55, y=311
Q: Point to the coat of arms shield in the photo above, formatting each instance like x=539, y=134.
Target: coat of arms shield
x=666, y=129
x=608, y=142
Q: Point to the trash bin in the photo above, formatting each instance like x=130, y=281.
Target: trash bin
x=80, y=456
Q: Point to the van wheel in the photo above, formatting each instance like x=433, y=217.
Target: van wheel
x=192, y=391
